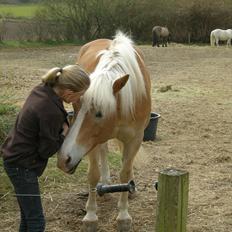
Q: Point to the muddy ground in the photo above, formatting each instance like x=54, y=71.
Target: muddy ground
x=192, y=93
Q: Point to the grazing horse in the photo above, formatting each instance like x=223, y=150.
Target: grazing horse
x=116, y=105
x=219, y=34
x=160, y=34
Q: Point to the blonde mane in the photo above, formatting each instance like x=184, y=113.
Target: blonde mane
x=118, y=60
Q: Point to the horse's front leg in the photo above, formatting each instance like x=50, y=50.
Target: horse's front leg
x=126, y=174
x=90, y=220
x=105, y=171
x=163, y=42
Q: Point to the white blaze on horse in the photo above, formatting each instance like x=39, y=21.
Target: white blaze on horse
x=220, y=35
x=116, y=105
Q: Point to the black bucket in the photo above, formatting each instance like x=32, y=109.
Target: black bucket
x=150, y=130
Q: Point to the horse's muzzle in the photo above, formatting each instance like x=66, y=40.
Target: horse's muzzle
x=73, y=169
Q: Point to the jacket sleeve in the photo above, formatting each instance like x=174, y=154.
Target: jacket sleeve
x=50, y=137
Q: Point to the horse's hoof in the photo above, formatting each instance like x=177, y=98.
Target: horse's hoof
x=132, y=196
x=124, y=225
x=89, y=226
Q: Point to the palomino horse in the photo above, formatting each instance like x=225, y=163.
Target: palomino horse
x=160, y=34
x=219, y=34
x=116, y=105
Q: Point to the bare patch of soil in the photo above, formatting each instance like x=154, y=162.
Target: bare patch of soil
x=192, y=92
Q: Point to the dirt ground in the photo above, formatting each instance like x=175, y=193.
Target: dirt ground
x=192, y=93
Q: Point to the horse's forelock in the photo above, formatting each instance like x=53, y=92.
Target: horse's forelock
x=99, y=95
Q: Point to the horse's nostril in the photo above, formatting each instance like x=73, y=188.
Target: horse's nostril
x=68, y=160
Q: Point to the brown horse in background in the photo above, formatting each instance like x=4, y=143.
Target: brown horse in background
x=116, y=105
x=160, y=34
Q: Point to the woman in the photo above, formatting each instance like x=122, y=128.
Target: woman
x=39, y=132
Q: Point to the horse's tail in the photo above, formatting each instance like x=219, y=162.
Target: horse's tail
x=212, y=39
x=154, y=38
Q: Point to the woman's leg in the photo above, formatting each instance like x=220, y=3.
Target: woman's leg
x=23, y=223
x=26, y=187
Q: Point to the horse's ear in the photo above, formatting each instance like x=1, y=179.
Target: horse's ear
x=119, y=83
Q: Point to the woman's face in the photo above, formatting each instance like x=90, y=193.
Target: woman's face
x=70, y=96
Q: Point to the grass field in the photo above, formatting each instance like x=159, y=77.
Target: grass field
x=18, y=11
x=37, y=44
x=7, y=116
x=191, y=90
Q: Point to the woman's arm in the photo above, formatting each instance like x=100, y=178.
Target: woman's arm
x=51, y=136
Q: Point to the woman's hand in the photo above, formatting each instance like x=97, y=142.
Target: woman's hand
x=65, y=129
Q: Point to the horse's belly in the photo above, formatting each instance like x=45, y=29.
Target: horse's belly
x=222, y=36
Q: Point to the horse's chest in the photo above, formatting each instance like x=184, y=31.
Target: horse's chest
x=125, y=133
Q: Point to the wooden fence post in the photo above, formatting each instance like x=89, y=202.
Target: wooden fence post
x=172, y=201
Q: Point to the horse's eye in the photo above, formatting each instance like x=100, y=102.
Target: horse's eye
x=98, y=114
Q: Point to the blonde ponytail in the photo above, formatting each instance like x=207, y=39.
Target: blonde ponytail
x=71, y=77
x=51, y=77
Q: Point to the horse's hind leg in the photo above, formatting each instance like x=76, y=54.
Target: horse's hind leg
x=157, y=42
x=126, y=174
x=166, y=42
x=90, y=220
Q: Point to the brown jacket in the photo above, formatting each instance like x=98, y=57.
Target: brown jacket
x=37, y=132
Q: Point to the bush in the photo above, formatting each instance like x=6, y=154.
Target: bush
x=82, y=20
x=188, y=21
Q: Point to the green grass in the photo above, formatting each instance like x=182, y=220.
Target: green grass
x=7, y=118
x=6, y=109
x=35, y=44
x=114, y=161
x=54, y=180
x=18, y=11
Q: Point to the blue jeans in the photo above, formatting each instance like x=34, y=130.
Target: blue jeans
x=27, y=191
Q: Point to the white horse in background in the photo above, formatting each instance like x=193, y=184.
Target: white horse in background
x=219, y=34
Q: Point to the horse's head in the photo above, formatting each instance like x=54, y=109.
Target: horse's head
x=95, y=123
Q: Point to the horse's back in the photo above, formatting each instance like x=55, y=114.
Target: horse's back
x=157, y=29
x=215, y=31
x=165, y=31
x=162, y=31
x=88, y=55
x=221, y=34
x=229, y=31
